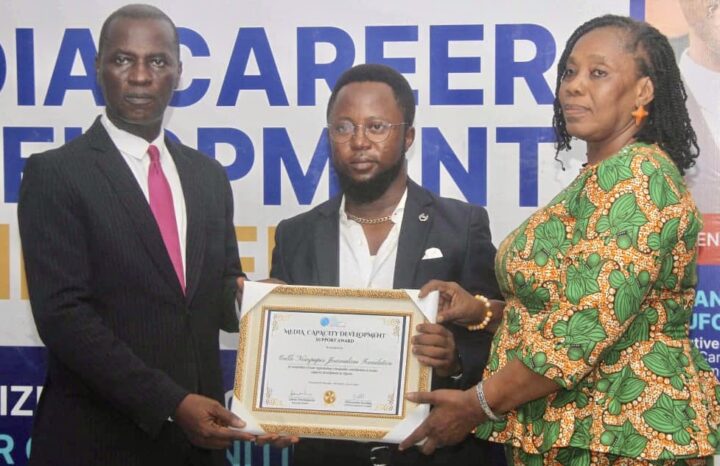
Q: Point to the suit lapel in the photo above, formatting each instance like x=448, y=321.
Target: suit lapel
x=130, y=196
x=195, y=235
x=327, y=244
x=417, y=220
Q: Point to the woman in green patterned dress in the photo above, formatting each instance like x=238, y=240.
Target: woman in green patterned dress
x=592, y=363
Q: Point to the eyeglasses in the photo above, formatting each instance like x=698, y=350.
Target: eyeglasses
x=376, y=131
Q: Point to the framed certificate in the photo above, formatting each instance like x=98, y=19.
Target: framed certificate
x=330, y=362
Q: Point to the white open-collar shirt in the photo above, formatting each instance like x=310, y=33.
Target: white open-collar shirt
x=358, y=269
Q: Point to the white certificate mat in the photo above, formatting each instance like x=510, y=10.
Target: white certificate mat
x=330, y=362
x=322, y=361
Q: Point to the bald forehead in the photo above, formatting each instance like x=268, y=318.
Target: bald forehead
x=121, y=25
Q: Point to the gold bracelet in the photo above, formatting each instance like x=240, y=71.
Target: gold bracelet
x=488, y=314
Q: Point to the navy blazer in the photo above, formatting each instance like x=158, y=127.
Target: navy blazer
x=125, y=344
x=307, y=253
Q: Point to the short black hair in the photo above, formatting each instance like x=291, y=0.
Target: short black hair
x=382, y=74
x=137, y=11
x=668, y=124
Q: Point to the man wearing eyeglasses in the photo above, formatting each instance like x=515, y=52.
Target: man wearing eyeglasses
x=385, y=231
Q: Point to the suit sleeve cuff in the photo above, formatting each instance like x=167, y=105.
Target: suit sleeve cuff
x=164, y=412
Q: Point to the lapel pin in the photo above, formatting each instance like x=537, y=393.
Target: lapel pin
x=423, y=217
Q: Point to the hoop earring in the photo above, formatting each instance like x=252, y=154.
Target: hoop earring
x=639, y=114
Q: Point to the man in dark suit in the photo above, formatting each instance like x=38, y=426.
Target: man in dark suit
x=131, y=263
x=385, y=231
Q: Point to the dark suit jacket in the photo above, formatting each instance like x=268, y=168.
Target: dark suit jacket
x=307, y=253
x=125, y=345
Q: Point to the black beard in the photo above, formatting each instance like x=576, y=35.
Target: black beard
x=365, y=192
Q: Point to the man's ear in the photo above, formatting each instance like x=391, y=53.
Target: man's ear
x=409, y=138
x=179, y=74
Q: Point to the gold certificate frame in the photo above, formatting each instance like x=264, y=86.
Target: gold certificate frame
x=330, y=362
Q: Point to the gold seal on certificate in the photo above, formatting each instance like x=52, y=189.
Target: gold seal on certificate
x=330, y=362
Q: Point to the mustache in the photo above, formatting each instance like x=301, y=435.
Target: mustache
x=365, y=192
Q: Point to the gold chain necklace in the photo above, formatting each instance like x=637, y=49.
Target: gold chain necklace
x=368, y=221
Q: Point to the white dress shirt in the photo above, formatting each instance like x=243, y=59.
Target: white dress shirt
x=358, y=269
x=134, y=151
x=704, y=84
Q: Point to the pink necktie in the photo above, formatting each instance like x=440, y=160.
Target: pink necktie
x=161, y=204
